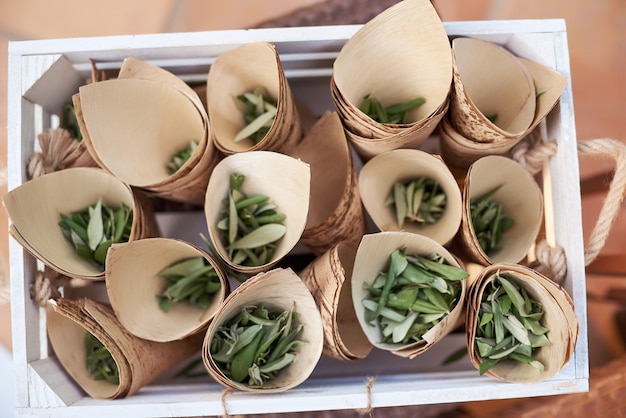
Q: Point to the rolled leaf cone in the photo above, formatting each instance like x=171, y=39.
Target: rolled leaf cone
x=284, y=179
x=133, y=287
x=139, y=361
x=559, y=317
x=34, y=209
x=373, y=257
x=489, y=80
x=277, y=289
x=239, y=71
x=461, y=151
x=521, y=199
x=335, y=210
x=328, y=278
x=376, y=182
x=414, y=60
x=135, y=126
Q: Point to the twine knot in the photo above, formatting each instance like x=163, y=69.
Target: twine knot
x=46, y=286
x=551, y=262
x=368, y=410
x=533, y=152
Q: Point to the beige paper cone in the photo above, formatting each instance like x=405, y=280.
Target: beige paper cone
x=378, y=176
x=35, y=207
x=459, y=152
x=139, y=361
x=285, y=180
x=558, y=317
x=328, y=280
x=549, y=86
x=373, y=257
x=521, y=199
x=133, y=287
x=412, y=60
x=335, y=210
x=489, y=80
x=277, y=289
x=241, y=70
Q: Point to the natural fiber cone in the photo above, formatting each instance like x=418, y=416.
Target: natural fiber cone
x=241, y=70
x=139, y=361
x=34, y=209
x=335, y=210
x=378, y=176
x=521, y=199
x=459, y=152
x=558, y=317
x=285, y=180
x=549, y=86
x=133, y=287
x=278, y=289
x=413, y=61
x=489, y=80
x=373, y=257
x=328, y=280
x=134, y=126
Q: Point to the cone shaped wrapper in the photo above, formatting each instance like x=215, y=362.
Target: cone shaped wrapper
x=133, y=286
x=559, y=317
x=35, y=207
x=372, y=258
x=376, y=182
x=489, y=80
x=335, y=210
x=282, y=290
x=240, y=71
x=399, y=55
x=521, y=200
x=328, y=280
x=135, y=126
x=139, y=361
x=284, y=179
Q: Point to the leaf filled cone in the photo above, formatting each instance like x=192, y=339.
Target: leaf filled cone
x=376, y=183
x=279, y=289
x=328, y=278
x=139, y=361
x=401, y=54
x=521, y=199
x=133, y=287
x=240, y=71
x=134, y=126
x=35, y=207
x=284, y=179
x=372, y=258
x=462, y=141
x=558, y=316
x=335, y=210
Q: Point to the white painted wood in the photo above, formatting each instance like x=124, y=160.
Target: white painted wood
x=41, y=73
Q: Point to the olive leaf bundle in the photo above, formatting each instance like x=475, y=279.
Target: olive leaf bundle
x=254, y=346
x=94, y=229
x=192, y=280
x=99, y=361
x=250, y=225
x=509, y=325
x=181, y=157
x=489, y=221
x=397, y=113
x=520, y=326
x=420, y=200
x=259, y=112
x=411, y=296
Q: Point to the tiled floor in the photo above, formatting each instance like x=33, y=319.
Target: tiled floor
x=596, y=32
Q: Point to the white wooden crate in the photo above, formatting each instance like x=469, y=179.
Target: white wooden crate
x=44, y=74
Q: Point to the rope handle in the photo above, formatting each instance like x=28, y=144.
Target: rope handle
x=533, y=154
